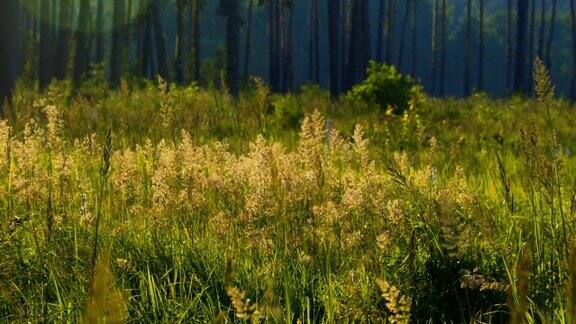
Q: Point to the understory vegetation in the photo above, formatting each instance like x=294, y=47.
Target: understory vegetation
x=160, y=203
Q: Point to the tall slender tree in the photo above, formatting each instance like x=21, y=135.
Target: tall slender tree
x=542, y=29
x=531, y=40
x=405, y=19
x=334, y=28
x=117, y=43
x=273, y=44
x=248, y=49
x=159, y=40
x=345, y=32
x=435, y=34
x=548, y=57
x=359, y=48
x=520, y=73
x=381, y=31
x=480, y=45
x=180, y=61
x=194, y=46
x=414, y=39
x=390, y=22
x=314, y=44
x=44, y=73
x=230, y=9
x=509, y=47
x=64, y=32
x=287, y=45
x=82, y=53
x=9, y=51
x=468, y=51
x=573, y=21
x=99, y=57
x=443, y=49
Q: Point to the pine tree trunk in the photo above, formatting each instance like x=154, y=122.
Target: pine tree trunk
x=531, y=40
x=381, y=31
x=334, y=18
x=468, y=51
x=443, y=51
x=127, y=35
x=573, y=20
x=403, y=34
x=248, y=50
x=44, y=61
x=179, y=64
x=82, y=53
x=542, y=29
x=274, y=50
x=99, y=32
x=480, y=45
x=548, y=56
x=62, y=55
x=9, y=15
x=358, y=55
x=390, y=31
x=345, y=32
x=520, y=72
x=435, y=45
x=233, y=46
x=160, y=41
x=414, y=40
x=194, y=60
x=288, y=49
x=314, y=45
x=117, y=43
x=510, y=55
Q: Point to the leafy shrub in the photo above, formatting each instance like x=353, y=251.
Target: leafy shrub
x=386, y=87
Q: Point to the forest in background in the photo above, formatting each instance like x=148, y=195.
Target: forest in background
x=451, y=47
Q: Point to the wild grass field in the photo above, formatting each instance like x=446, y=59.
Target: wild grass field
x=156, y=203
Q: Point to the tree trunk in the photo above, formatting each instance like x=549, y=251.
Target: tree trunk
x=9, y=14
x=127, y=34
x=99, y=32
x=232, y=45
x=160, y=41
x=468, y=51
x=480, y=45
x=334, y=18
x=179, y=64
x=520, y=66
x=381, y=32
x=194, y=60
x=531, y=40
x=390, y=31
x=117, y=44
x=573, y=20
x=435, y=45
x=443, y=51
x=62, y=55
x=548, y=58
x=44, y=61
x=288, y=48
x=510, y=55
x=273, y=51
x=82, y=54
x=345, y=32
x=248, y=50
x=358, y=55
x=414, y=40
x=542, y=29
x=403, y=34
x=314, y=45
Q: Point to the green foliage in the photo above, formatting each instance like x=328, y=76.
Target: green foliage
x=386, y=87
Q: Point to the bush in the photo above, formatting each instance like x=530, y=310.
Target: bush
x=386, y=87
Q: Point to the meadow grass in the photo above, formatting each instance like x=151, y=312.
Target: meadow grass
x=149, y=205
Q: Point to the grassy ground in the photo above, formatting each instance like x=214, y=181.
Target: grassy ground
x=176, y=206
